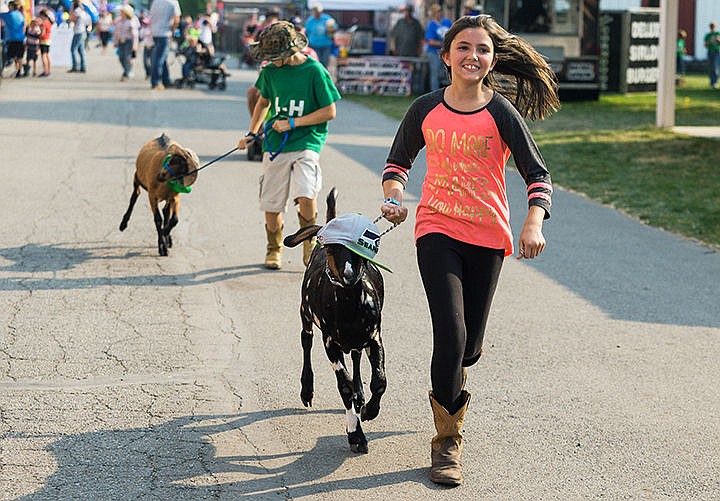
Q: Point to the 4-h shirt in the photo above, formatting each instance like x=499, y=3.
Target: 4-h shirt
x=294, y=91
x=464, y=192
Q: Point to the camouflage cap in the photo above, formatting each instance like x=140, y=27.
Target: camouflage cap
x=278, y=41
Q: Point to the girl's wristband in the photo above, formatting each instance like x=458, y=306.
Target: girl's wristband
x=391, y=200
x=291, y=120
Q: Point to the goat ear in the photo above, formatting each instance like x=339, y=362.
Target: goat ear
x=194, y=159
x=301, y=235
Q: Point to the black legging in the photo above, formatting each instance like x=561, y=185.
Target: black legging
x=460, y=281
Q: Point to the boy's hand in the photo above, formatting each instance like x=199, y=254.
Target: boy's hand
x=281, y=126
x=246, y=140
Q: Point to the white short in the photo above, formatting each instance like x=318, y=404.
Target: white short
x=296, y=173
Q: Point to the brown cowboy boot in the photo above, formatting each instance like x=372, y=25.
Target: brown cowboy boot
x=447, y=445
x=273, y=256
x=308, y=245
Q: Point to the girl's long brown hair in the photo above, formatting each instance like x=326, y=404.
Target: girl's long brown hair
x=520, y=74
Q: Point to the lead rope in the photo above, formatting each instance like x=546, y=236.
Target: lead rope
x=395, y=225
x=179, y=176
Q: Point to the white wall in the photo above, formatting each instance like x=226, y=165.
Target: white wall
x=705, y=11
x=618, y=4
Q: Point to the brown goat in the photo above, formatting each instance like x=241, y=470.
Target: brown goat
x=158, y=161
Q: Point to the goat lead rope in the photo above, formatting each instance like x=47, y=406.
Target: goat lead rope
x=285, y=136
x=178, y=176
x=395, y=225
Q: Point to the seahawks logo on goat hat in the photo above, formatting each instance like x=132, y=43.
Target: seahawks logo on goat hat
x=356, y=232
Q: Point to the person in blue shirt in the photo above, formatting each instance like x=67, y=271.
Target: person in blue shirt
x=435, y=31
x=14, y=36
x=319, y=29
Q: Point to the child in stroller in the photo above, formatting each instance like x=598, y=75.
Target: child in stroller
x=200, y=67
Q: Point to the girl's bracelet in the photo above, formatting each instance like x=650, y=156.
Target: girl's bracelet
x=391, y=200
x=291, y=121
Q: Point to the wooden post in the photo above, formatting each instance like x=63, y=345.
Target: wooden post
x=665, y=110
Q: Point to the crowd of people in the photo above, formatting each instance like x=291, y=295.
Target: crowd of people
x=407, y=37
x=26, y=43
x=130, y=33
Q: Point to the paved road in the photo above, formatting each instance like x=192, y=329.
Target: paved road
x=124, y=375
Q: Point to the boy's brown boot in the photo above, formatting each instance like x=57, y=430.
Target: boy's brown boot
x=308, y=245
x=273, y=256
x=447, y=445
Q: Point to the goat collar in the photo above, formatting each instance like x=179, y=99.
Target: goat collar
x=174, y=181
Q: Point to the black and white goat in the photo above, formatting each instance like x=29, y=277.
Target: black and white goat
x=342, y=293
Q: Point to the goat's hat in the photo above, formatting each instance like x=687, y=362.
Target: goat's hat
x=356, y=232
x=278, y=41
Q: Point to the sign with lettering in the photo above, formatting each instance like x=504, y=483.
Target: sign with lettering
x=642, y=51
x=375, y=75
x=629, y=42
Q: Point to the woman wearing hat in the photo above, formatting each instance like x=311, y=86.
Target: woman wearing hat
x=127, y=29
x=300, y=96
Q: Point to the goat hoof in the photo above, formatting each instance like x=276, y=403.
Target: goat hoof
x=163, y=252
x=359, y=448
x=369, y=412
x=123, y=225
x=306, y=399
x=358, y=442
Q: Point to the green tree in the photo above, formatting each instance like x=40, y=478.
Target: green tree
x=192, y=7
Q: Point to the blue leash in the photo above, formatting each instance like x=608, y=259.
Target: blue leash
x=285, y=136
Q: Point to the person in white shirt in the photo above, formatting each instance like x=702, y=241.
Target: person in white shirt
x=126, y=39
x=205, y=34
x=147, y=41
x=164, y=18
x=80, y=21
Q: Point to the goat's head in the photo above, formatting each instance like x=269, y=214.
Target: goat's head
x=179, y=161
x=350, y=241
x=343, y=267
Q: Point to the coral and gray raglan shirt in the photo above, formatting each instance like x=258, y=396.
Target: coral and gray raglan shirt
x=464, y=192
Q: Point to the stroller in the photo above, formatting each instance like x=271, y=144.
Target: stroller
x=201, y=68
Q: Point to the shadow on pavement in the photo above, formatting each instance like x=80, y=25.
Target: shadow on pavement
x=39, y=258
x=177, y=460
x=184, y=111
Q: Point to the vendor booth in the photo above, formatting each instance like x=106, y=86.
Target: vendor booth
x=362, y=64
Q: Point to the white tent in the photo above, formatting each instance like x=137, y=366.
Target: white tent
x=360, y=4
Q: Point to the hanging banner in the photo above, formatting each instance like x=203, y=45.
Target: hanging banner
x=28, y=10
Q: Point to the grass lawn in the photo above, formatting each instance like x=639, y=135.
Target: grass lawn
x=611, y=151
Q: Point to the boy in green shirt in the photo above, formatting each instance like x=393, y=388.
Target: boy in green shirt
x=297, y=97
x=712, y=44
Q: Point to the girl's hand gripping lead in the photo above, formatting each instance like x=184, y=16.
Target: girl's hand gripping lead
x=393, y=211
